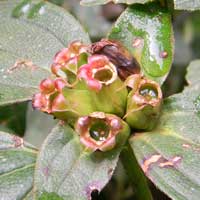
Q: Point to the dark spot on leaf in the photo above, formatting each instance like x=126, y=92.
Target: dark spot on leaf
x=92, y=189
x=94, y=194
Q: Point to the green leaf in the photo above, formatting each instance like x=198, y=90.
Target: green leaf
x=27, y=46
x=38, y=126
x=187, y=4
x=169, y=155
x=17, y=160
x=146, y=31
x=66, y=168
x=14, y=117
x=100, y=2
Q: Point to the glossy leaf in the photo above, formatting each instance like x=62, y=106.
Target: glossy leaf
x=100, y=2
x=146, y=31
x=17, y=160
x=27, y=46
x=187, y=4
x=169, y=155
x=66, y=168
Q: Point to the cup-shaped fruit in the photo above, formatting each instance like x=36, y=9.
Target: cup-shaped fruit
x=144, y=103
x=100, y=131
x=67, y=61
x=102, y=80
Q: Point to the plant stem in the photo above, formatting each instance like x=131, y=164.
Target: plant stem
x=135, y=174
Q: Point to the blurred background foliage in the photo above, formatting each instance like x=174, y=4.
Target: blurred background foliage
x=20, y=119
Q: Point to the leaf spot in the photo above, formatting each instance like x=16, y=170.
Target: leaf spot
x=45, y=171
x=153, y=159
x=22, y=63
x=137, y=42
x=18, y=142
x=187, y=146
x=171, y=162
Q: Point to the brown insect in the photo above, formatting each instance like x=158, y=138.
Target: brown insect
x=118, y=55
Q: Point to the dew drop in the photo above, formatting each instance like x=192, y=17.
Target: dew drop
x=26, y=8
x=192, y=189
x=99, y=131
x=42, y=10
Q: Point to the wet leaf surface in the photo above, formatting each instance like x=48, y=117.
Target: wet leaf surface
x=146, y=31
x=170, y=154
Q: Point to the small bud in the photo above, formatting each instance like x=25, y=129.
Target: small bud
x=40, y=102
x=60, y=84
x=74, y=49
x=67, y=61
x=47, y=86
x=99, y=131
x=144, y=103
x=59, y=103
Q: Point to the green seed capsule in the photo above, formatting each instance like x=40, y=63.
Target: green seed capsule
x=100, y=131
x=144, y=103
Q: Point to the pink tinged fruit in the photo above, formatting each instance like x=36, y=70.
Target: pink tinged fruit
x=98, y=72
x=98, y=131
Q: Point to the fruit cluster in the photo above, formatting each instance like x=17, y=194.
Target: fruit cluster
x=100, y=91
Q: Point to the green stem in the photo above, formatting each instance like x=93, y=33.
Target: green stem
x=135, y=174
